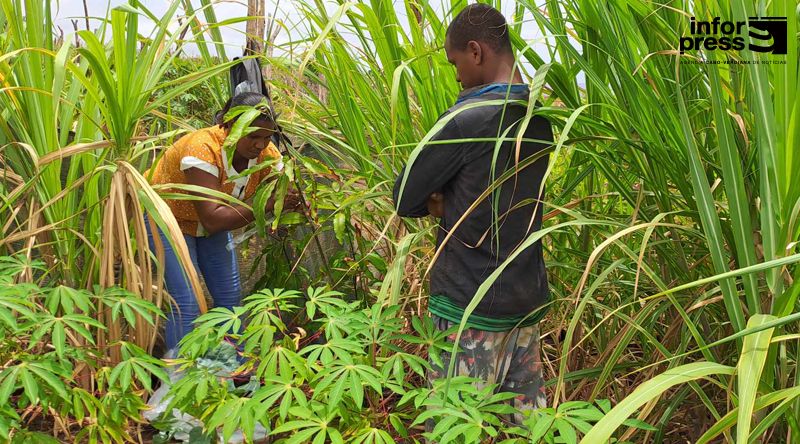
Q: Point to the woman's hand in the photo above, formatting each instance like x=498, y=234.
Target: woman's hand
x=436, y=204
x=216, y=216
x=293, y=201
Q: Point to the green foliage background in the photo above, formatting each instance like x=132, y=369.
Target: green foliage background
x=671, y=227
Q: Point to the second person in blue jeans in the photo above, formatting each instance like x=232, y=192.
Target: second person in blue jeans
x=198, y=159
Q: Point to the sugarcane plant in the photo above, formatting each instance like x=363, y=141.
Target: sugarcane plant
x=74, y=153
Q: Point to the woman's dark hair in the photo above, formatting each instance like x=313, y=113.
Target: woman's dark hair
x=245, y=99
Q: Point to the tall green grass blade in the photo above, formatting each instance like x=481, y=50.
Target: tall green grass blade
x=751, y=364
x=654, y=388
x=729, y=420
x=771, y=197
x=708, y=214
x=733, y=179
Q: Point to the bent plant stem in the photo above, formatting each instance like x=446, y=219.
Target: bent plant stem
x=316, y=227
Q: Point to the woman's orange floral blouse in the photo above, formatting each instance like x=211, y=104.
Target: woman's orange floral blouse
x=203, y=149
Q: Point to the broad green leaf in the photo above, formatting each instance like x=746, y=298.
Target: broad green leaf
x=566, y=431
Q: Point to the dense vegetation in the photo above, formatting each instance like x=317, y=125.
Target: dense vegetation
x=671, y=229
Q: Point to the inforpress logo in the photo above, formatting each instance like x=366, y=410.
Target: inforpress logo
x=767, y=28
x=764, y=34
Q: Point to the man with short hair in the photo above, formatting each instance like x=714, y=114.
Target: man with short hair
x=501, y=342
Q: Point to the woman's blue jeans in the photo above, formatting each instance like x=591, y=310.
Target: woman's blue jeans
x=220, y=270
